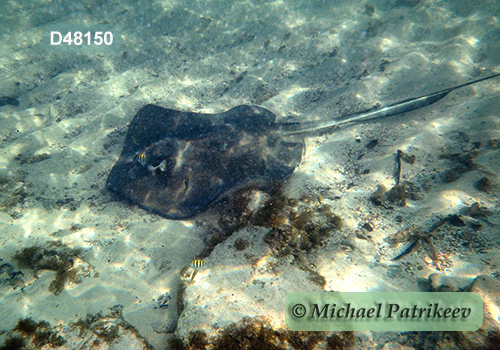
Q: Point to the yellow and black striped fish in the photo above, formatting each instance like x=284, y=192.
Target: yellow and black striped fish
x=197, y=264
x=142, y=158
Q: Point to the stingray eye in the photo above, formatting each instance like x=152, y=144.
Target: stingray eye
x=142, y=158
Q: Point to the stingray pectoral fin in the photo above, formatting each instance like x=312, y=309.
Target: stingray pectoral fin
x=249, y=117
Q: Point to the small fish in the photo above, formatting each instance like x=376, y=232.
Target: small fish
x=197, y=264
x=319, y=198
x=404, y=249
x=142, y=158
x=8, y=101
x=165, y=265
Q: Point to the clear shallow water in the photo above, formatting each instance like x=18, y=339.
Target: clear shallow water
x=301, y=60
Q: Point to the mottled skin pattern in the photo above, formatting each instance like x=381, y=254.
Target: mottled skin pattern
x=193, y=158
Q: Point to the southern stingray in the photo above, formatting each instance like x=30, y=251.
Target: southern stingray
x=177, y=163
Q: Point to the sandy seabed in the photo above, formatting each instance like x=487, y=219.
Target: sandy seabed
x=302, y=60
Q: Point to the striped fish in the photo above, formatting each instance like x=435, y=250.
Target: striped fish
x=197, y=264
x=142, y=158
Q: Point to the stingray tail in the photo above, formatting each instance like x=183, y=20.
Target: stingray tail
x=387, y=111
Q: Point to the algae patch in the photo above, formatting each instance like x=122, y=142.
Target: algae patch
x=253, y=333
x=55, y=256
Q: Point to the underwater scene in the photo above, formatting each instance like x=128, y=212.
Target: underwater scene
x=171, y=171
